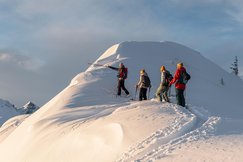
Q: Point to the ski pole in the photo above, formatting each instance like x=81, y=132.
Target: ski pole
x=149, y=93
x=136, y=92
x=169, y=91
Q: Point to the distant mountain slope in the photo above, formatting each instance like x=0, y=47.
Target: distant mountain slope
x=28, y=108
x=7, y=110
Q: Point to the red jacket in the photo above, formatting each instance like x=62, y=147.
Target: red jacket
x=176, y=78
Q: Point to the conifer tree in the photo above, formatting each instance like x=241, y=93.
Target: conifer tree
x=222, y=81
x=234, y=67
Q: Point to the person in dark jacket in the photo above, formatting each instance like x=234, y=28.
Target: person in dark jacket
x=122, y=75
x=164, y=85
x=143, y=84
x=180, y=86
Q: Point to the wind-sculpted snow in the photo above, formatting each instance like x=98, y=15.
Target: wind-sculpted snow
x=10, y=125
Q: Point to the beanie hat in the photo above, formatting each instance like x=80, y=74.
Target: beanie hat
x=162, y=68
x=179, y=65
x=121, y=65
x=142, y=71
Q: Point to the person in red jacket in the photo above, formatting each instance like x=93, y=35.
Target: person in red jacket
x=180, y=85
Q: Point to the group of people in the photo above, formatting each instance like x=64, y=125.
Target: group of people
x=180, y=79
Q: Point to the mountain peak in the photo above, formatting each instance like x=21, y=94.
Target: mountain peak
x=151, y=56
x=29, y=108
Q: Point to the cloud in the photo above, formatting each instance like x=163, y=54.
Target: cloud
x=236, y=11
x=21, y=61
x=191, y=3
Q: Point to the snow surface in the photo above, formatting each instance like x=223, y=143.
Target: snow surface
x=87, y=122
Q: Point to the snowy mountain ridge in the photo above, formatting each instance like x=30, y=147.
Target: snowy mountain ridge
x=87, y=122
x=7, y=110
x=28, y=108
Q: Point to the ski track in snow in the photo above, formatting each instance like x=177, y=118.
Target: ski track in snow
x=187, y=127
x=203, y=132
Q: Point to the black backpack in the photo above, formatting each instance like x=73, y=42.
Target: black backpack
x=184, y=77
x=146, y=81
x=168, y=78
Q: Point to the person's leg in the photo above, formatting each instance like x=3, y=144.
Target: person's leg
x=119, y=88
x=123, y=87
x=183, y=102
x=165, y=94
x=145, y=93
x=178, y=101
x=180, y=97
x=158, y=93
x=140, y=94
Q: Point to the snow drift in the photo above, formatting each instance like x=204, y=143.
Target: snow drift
x=86, y=122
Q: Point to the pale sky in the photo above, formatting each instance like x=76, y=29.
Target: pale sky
x=45, y=43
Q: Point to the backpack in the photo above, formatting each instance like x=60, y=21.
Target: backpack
x=122, y=73
x=146, y=81
x=184, y=77
x=168, y=78
x=125, y=73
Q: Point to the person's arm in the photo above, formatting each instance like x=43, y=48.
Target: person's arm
x=113, y=68
x=176, y=77
x=162, y=77
x=140, y=81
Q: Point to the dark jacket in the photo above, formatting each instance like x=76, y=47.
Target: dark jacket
x=142, y=81
x=122, y=72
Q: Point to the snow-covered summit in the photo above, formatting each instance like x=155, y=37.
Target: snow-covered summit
x=203, y=89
